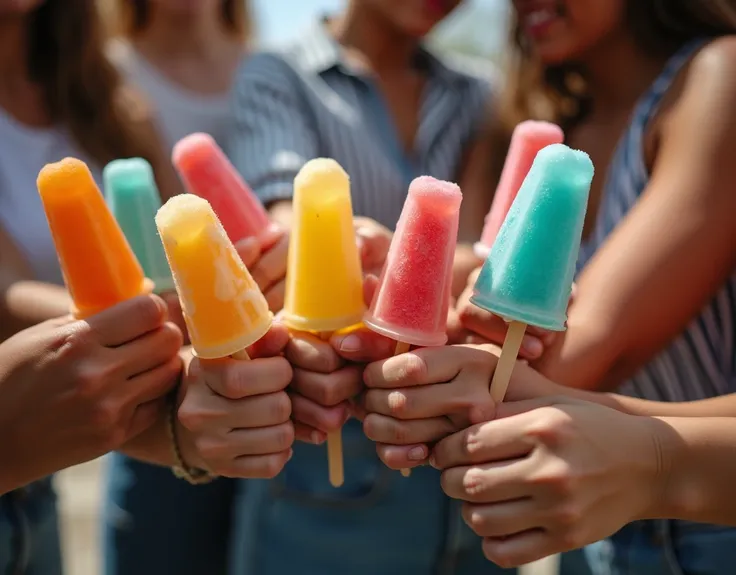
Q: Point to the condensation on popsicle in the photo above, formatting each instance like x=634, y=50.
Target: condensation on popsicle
x=133, y=197
x=224, y=310
x=208, y=173
x=99, y=266
x=527, y=140
x=413, y=297
x=324, y=283
x=529, y=272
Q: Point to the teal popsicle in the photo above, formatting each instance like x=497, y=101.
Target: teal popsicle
x=528, y=274
x=527, y=277
x=131, y=193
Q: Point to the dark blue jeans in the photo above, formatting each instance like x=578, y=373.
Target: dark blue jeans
x=29, y=531
x=155, y=523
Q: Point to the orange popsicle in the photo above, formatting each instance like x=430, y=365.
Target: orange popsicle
x=99, y=267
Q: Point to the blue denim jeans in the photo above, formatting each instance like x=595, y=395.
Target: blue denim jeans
x=29, y=531
x=155, y=523
x=377, y=523
x=665, y=548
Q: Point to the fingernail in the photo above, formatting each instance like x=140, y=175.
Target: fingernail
x=350, y=344
x=317, y=438
x=532, y=346
x=417, y=454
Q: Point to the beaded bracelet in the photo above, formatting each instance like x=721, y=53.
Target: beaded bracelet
x=191, y=475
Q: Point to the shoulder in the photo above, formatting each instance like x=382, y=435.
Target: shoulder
x=474, y=74
x=267, y=68
x=709, y=86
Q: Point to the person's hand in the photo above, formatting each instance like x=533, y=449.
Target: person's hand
x=265, y=258
x=329, y=374
x=71, y=391
x=422, y=396
x=234, y=416
x=481, y=326
x=551, y=475
x=175, y=313
x=374, y=241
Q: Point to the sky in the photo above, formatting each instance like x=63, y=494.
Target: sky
x=282, y=20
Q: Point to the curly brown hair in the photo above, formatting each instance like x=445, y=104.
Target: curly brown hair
x=130, y=18
x=557, y=93
x=81, y=88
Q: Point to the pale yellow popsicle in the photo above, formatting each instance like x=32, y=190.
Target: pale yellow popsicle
x=223, y=307
x=324, y=285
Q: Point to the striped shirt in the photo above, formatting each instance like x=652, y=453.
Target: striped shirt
x=700, y=362
x=307, y=101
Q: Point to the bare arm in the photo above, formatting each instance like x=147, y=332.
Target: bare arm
x=673, y=251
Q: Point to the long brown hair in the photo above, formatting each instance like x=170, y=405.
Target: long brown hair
x=81, y=88
x=130, y=18
x=557, y=93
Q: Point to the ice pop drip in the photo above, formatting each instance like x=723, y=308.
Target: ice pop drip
x=133, y=197
x=208, y=173
x=98, y=264
x=413, y=297
x=324, y=285
x=527, y=140
x=529, y=273
x=224, y=310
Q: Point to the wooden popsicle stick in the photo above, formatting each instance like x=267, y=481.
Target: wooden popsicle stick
x=335, y=464
x=403, y=347
x=507, y=361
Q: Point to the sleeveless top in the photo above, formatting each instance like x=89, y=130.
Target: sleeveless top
x=700, y=362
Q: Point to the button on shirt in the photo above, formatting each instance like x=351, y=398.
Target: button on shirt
x=306, y=101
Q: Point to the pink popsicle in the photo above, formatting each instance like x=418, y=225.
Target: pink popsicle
x=208, y=173
x=527, y=140
x=413, y=296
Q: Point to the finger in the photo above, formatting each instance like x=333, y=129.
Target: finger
x=275, y=296
x=392, y=431
x=324, y=419
x=249, y=249
x=501, y=519
x=430, y=401
x=258, y=411
x=271, y=235
x=127, y=320
x=237, y=379
x=146, y=415
x=308, y=434
x=330, y=389
x=245, y=442
x=308, y=352
x=493, y=328
x=149, y=351
x=257, y=466
x=370, y=285
x=176, y=315
x=492, y=441
x=419, y=367
x=363, y=346
x=271, y=267
x=516, y=408
x=487, y=483
x=153, y=384
x=521, y=549
x=402, y=456
x=271, y=344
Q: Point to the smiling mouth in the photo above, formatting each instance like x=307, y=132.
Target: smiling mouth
x=536, y=17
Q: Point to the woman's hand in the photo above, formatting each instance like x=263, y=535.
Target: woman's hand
x=374, y=241
x=551, y=475
x=265, y=257
x=71, y=391
x=234, y=416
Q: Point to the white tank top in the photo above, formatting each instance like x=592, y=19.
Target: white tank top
x=23, y=152
x=178, y=111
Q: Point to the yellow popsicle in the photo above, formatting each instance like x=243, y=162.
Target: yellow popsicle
x=324, y=285
x=224, y=310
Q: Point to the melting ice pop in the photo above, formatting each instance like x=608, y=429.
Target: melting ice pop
x=527, y=140
x=208, y=173
x=133, y=197
x=324, y=284
x=224, y=310
x=527, y=278
x=99, y=267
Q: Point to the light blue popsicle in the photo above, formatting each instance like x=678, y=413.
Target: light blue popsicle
x=131, y=193
x=528, y=274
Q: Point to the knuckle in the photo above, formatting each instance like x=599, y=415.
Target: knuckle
x=273, y=466
x=280, y=407
x=471, y=445
x=192, y=417
x=399, y=404
x=104, y=417
x=475, y=519
x=501, y=556
x=146, y=312
x=285, y=436
x=553, y=427
x=568, y=515
x=234, y=381
x=209, y=448
x=415, y=368
x=558, y=478
x=172, y=338
x=474, y=484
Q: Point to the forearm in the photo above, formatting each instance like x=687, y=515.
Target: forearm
x=698, y=471
x=27, y=303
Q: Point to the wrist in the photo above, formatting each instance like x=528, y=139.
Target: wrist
x=662, y=452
